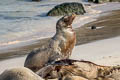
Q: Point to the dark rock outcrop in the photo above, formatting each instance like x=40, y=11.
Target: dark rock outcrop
x=67, y=8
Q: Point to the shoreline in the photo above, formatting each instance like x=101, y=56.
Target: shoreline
x=108, y=26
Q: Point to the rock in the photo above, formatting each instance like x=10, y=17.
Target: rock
x=67, y=8
x=21, y=73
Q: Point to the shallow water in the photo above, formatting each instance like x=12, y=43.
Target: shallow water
x=20, y=20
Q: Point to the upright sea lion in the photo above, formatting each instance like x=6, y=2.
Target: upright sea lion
x=79, y=70
x=20, y=73
x=60, y=45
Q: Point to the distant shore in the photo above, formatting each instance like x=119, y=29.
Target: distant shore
x=107, y=26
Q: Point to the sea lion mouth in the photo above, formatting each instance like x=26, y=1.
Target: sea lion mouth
x=69, y=19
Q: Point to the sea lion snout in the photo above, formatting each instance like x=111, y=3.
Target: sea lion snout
x=73, y=15
x=65, y=22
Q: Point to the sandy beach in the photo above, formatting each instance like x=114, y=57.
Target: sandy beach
x=103, y=52
x=100, y=45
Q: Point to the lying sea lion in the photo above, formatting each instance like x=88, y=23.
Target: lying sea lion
x=60, y=45
x=20, y=73
x=84, y=70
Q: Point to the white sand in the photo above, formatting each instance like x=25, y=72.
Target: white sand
x=11, y=63
x=104, y=52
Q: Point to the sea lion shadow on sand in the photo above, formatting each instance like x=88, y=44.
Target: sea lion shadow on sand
x=59, y=47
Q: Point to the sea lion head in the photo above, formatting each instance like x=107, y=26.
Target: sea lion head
x=65, y=22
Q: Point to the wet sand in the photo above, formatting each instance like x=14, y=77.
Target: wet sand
x=108, y=26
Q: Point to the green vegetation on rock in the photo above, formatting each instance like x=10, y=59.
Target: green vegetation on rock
x=67, y=8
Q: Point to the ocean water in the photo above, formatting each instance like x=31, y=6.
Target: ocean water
x=24, y=21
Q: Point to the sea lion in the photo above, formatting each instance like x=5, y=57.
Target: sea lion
x=60, y=45
x=74, y=69
x=20, y=73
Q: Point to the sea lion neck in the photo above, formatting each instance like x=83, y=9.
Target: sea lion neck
x=62, y=29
